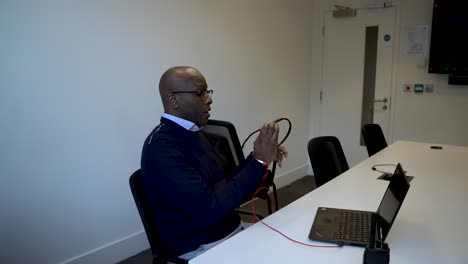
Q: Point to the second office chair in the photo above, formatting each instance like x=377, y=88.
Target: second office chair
x=327, y=158
x=373, y=138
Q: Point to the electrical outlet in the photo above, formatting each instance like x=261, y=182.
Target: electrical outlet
x=428, y=88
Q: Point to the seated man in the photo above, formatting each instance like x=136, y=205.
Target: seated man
x=192, y=199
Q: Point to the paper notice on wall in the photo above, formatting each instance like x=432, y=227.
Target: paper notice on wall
x=416, y=41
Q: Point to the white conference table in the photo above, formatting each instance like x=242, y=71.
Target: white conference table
x=430, y=227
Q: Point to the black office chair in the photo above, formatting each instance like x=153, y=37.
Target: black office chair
x=223, y=136
x=373, y=138
x=160, y=255
x=327, y=158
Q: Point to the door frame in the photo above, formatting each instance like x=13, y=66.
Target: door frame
x=393, y=85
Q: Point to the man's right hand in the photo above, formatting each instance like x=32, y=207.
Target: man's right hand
x=266, y=144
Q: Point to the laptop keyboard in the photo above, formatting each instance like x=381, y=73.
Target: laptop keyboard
x=354, y=226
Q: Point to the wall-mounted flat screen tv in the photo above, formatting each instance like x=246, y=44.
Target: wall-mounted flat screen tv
x=449, y=37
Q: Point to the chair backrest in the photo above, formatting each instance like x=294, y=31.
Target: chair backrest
x=224, y=138
x=223, y=135
x=327, y=158
x=373, y=138
x=141, y=200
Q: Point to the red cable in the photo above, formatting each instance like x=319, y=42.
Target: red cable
x=279, y=232
x=274, y=229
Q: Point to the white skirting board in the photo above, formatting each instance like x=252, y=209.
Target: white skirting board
x=114, y=251
x=291, y=176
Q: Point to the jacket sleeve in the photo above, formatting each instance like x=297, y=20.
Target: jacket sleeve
x=170, y=172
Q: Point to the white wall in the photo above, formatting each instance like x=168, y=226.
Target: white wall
x=438, y=117
x=78, y=96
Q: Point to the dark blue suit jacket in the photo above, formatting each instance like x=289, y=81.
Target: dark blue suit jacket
x=192, y=199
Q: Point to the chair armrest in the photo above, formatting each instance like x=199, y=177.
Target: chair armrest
x=243, y=212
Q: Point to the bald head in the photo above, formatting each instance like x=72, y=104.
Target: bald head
x=179, y=78
x=191, y=105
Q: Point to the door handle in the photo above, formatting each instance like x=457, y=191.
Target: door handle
x=383, y=100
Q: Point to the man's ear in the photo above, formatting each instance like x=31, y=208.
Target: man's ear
x=173, y=103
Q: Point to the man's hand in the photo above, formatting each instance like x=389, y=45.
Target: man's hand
x=281, y=153
x=266, y=145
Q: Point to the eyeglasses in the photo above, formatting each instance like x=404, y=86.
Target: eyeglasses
x=199, y=93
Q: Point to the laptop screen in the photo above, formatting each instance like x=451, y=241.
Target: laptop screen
x=391, y=202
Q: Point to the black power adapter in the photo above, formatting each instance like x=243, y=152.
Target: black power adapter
x=377, y=255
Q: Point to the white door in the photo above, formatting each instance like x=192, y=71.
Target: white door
x=344, y=50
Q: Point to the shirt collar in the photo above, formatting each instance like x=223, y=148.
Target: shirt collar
x=188, y=125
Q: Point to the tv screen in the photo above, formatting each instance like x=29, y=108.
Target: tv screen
x=449, y=45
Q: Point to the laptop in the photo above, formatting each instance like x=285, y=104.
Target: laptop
x=361, y=228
